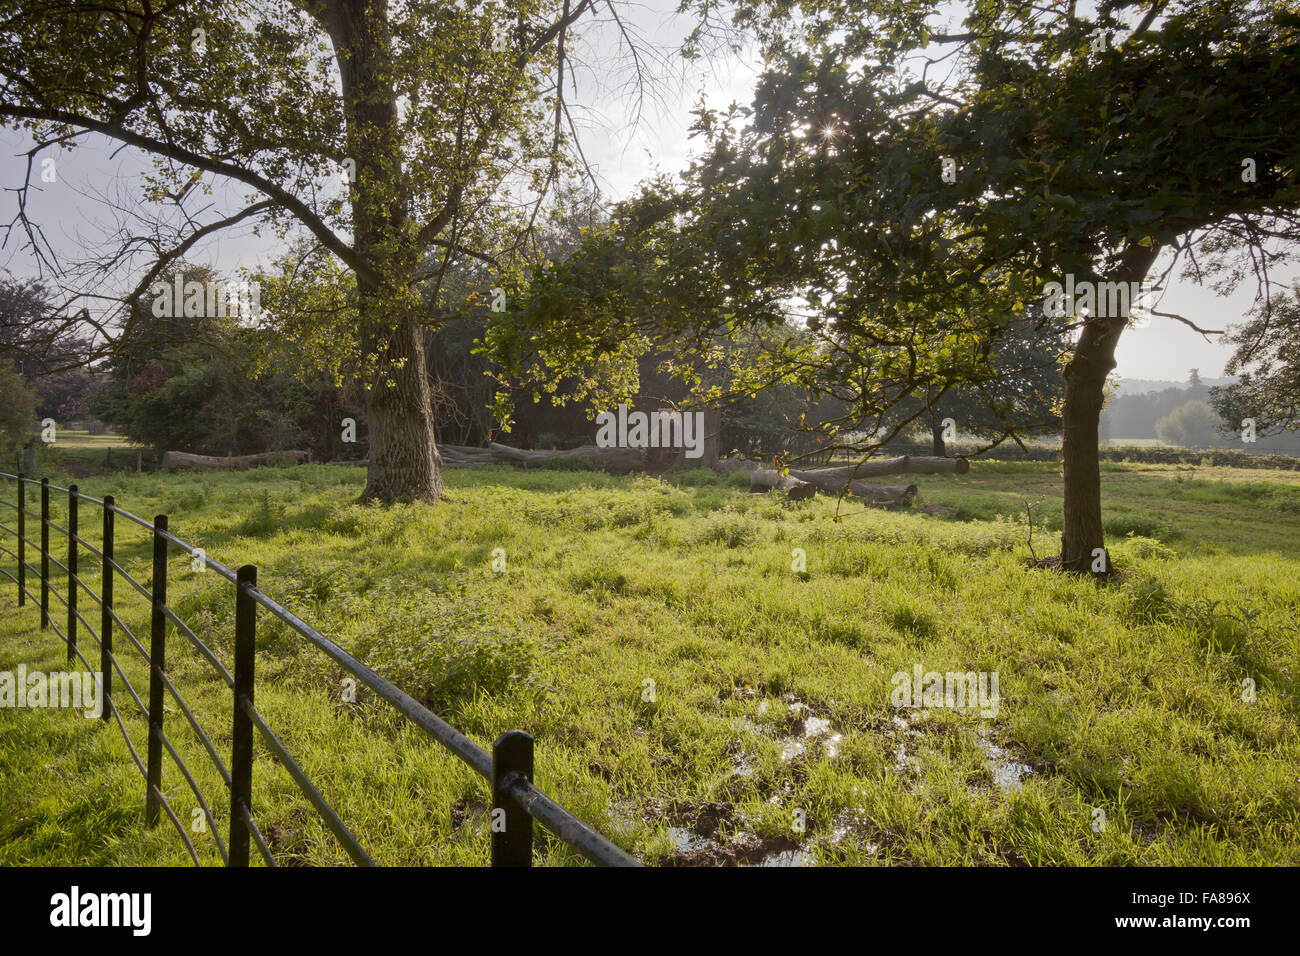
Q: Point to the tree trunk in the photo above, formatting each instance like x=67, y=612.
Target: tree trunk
x=940, y=448
x=1083, y=541
x=404, y=459
x=404, y=462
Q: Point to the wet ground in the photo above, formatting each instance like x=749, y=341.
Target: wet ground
x=718, y=834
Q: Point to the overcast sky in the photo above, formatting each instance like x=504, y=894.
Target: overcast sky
x=74, y=216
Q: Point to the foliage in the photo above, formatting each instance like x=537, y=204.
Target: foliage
x=1194, y=425
x=204, y=384
x=46, y=352
x=400, y=138
x=445, y=653
x=17, y=408
x=919, y=214
x=1268, y=357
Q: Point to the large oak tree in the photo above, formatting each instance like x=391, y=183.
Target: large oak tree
x=390, y=133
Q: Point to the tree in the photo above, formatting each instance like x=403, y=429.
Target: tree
x=1135, y=415
x=918, y=209
x=426, y=108
x=45, y=352
x=208, y=384
x=1194, y=425
x=1083, y=148
x=17, y=408
x=1021, y=396
x=1267, y=357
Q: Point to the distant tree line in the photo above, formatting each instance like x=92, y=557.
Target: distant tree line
x=1193, y=416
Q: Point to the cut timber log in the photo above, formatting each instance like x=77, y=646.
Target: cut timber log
x=620, y=460
x=738, y=464
x=831, y=481
x=614, y=459
x=180, y=459
x=941, y=510
x=902, y=465
x=834, y=484
x=766, y=479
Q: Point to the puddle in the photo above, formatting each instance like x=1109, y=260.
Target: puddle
x=1007, y=771
x=900, y=730
x=742, y=765
x=813, y=731
x=686, y=841
x=719, y=834
x=623, y=816
x=820, y=727
x=796, y=857
x=792, y=748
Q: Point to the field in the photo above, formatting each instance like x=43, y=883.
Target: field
x=693, y=693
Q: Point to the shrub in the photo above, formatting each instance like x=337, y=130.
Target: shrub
x=729, y=529
x=1148, y=601
x=443, y=651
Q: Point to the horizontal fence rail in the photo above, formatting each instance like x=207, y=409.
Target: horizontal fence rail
x=508, y=767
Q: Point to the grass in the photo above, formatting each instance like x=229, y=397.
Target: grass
x=656, y=640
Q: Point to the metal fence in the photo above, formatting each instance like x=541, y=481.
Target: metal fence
x=508, y=768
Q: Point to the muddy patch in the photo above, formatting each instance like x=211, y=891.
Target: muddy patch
x=796, y=729
x=715, y=833
x=712, y=834
x=467, y=811
x=1007, y=772
x=746, y=849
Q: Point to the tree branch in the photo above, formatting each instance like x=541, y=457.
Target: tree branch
x=281, y=196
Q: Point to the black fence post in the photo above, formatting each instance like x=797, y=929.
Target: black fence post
x=106, y=610
x=72, y=572
x=157, y=663
x=22, y=539
x=45, y=553
x=512, y=827
x=241, y=748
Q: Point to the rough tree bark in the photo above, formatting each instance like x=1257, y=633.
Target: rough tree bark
x=1085, y=384
x=404, y=461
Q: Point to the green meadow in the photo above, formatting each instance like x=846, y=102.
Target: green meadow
x=707, y=673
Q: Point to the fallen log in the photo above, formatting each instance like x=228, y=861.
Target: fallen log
x=902, y=465
x=180, y=459
x=737, y=464
x=804, y=484
x=765, y=479
x=614, y=459
x=832, y=481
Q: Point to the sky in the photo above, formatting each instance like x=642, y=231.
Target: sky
x=626, y=139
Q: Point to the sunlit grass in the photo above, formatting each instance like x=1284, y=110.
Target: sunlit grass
x=1124, y=698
